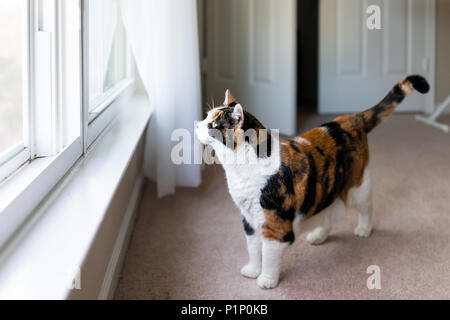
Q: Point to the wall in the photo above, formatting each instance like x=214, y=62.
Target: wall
x=442, y=50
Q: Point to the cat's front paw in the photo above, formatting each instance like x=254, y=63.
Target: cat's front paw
x=251, y=271
x=265, y=282
x=363, y=231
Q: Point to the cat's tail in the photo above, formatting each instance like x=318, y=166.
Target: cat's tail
x=373, y=116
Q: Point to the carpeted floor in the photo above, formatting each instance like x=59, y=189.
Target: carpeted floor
x=191, y=245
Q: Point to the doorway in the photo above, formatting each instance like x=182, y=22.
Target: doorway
x=307, y=60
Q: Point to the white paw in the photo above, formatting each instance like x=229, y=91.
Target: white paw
x=363, y=232
x=250, y=271
x=265, y=282
x=317, y=236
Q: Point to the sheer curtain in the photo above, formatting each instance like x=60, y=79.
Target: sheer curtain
x=163, y=35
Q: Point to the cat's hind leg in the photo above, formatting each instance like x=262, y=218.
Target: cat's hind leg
x=253, y=268
x=320, y=234
x=361, y=200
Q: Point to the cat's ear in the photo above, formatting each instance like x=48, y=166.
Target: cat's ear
x=238, y=116
x=228, y=98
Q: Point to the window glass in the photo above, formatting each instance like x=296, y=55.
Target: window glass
x=107, y=49
x=12, y=54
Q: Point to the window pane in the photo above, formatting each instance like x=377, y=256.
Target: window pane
x=116, y=70
x=11, y=72
x=107, y=49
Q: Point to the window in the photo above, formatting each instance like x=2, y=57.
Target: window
x=58, y=92
x=13, y=87
x=108, y=54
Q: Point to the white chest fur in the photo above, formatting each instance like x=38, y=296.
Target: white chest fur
x=245, y=182
x=247, y=178
x=245, y=189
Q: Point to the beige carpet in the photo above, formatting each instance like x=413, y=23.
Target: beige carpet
x=191, y=245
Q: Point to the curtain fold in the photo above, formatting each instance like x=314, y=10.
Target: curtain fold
x=164, y=39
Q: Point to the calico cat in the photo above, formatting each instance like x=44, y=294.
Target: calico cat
x=320, y=172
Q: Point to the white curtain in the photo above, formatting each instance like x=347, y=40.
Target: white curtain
x=163, y=35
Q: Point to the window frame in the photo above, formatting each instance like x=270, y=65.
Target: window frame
x=32, y=168
x=13, y=158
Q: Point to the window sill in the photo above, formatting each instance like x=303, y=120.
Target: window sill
x=109, y=98
x=39, y=261
x=27, y=186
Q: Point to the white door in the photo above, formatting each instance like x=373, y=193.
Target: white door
x=251, y=50
x=359, y=66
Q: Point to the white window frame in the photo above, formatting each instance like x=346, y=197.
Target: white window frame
x=43, y=158
x=35, y=166
x=11, y=159
x=109, y=106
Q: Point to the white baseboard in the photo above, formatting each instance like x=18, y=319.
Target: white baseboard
x=112, y=274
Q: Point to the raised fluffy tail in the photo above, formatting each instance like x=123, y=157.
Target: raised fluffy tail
x=373, y=116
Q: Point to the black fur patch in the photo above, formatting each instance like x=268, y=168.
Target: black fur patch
x=310, y=192
x=271, y=199
x=247, y=227
x=287, y=178
x=335, y=131
x=419, y=83
x=289, y=237
x=288, y=214
x=319, y=150
x=397, y=96
x=293, y=146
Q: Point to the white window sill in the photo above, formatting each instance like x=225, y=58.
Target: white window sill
x=109, y=97
x=39, y=261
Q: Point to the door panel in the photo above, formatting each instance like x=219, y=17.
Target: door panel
x=359, y=66
x=251, y=50
x=349, y=38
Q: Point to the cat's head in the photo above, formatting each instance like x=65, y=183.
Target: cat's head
x=221, y=121
x=231, y=126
